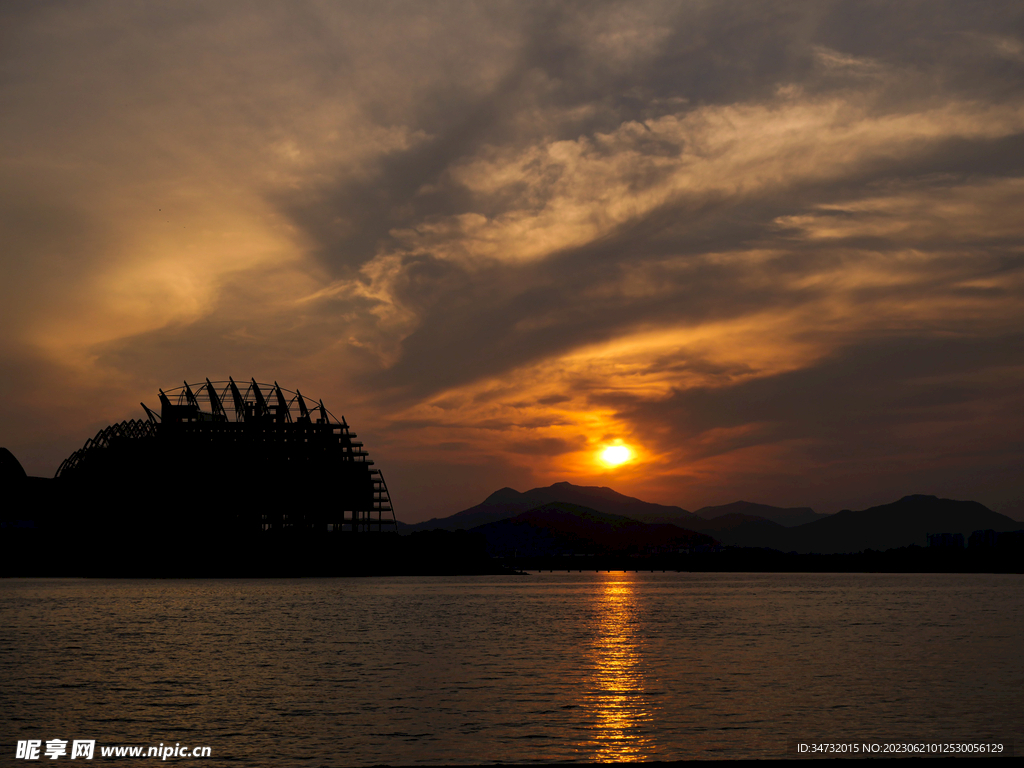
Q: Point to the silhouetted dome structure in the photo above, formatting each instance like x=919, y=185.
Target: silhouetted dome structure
x=223, y=458
x=10, y=468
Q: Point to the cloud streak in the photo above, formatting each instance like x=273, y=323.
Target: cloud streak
x=774, y=247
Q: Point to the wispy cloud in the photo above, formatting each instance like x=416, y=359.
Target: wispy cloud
x=775, y=248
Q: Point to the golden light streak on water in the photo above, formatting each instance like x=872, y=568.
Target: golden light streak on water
x=616, y=697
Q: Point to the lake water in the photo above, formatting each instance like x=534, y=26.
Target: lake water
x=538, y=668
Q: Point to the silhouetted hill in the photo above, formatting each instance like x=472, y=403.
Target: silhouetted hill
x=903, y=523
x=560, y=528
x=787, y=516
x=501, y=504
x=889, y=526
x=509, y=502
x=738, y=530
x=731, y=521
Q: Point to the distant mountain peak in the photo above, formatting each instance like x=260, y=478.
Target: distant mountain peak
x=503, y=494
x=566, y=485
x=508, y=502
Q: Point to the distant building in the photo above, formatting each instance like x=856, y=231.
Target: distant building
x=986, y=539
x=1011, y=540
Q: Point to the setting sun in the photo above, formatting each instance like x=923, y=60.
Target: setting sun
x=614, y=455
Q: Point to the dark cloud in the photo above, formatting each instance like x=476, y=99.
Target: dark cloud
x=896, y=410
x=471, y=322
x=872, y=387
x=719, y=53
x=454, y=219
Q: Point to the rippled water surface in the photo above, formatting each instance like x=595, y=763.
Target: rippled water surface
x=538, y=668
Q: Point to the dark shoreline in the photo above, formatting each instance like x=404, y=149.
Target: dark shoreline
x=29, y=554
x=32, y=552
x=58, y=528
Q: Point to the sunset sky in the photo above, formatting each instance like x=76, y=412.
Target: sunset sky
x=765, y=250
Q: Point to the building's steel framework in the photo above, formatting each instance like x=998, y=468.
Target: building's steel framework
x=127, y=430
x=262, y=432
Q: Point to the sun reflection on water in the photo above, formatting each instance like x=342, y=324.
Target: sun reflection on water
x=615, y=699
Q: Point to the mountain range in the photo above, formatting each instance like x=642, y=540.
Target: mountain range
x=787, y=516
x=508, y=502
x=548, y=518
x=559, y=528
